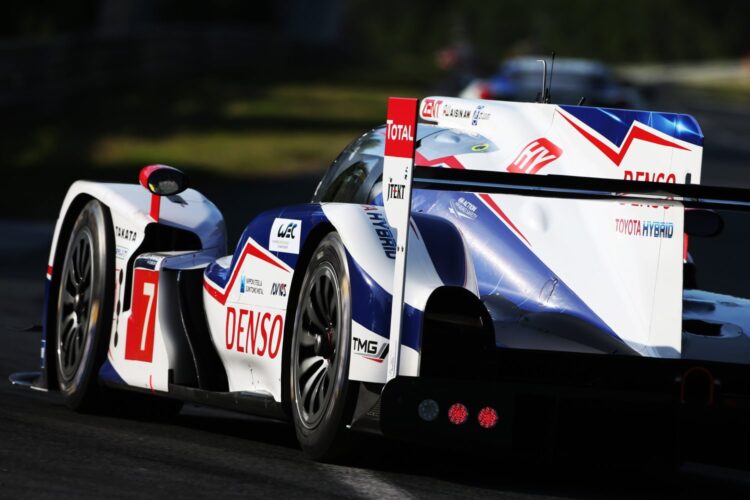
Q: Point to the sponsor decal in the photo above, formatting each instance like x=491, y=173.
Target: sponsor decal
x=395, y=191
x=370, y=349
x=450, y=111
x=643, y=205
x=453, y=162
x=480, y=148
x=463, y=208
x=139, y=337
x=254, y=251
x=647, y=229
x=125, y=234
x=398, y=131
x=645, y=176
x=385, y=235
x=254, y=332
x=278, y=289
x=285, y=236
x=251, y=285
x=535, y=156
x=400, y=126
x=146, y=262
x=479, y=114
x=287, y=231
x=431, y=108
x=120, y=252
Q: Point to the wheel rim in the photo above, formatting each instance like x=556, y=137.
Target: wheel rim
x=317, y=344
x=75, y=304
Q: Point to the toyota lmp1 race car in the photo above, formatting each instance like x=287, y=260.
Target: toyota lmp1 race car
x=428, y=292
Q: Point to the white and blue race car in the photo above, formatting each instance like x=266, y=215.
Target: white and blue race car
x=426, y=291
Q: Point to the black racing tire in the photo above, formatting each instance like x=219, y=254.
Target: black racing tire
x=83, y=317
x=322, y=398
x=83, y=323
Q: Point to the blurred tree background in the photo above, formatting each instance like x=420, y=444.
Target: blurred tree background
x=613, y=31
x=230, y=89
x=395, y=35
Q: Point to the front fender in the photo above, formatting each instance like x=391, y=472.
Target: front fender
x=130, y=207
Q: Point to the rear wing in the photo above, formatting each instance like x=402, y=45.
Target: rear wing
x=550, y=139
x=400, y=177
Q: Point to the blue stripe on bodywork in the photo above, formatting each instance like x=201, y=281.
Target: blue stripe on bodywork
x=311, y=215
x=615, y=123
x=217, y=274
x=371, y=308
x=505, y=265
x=108, y=373
x=260, y=228
x=445, y=246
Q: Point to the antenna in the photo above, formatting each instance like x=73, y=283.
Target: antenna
x=544, y=80
x=548, y=96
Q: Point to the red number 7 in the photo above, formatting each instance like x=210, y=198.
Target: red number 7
x=139, y=343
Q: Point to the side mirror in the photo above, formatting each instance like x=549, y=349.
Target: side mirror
x=703, y=223
x=163, y=180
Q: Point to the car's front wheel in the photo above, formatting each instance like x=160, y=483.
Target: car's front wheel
x=83, y=322
x=320, y=390
x=84, y=309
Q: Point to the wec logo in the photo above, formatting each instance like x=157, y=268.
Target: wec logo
x=285, y=235
x=535, y=156
x=287, y=231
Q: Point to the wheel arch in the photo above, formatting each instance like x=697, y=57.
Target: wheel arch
x=65, y=225
x=315, y=236
x=438, y=257
x=127, y=205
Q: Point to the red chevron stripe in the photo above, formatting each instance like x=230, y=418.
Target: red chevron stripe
x=250, y=249
x=634, y=133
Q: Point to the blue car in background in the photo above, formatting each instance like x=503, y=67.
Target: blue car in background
x=520, y=79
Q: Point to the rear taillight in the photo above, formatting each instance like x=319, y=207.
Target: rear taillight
x=458, y=414
x=488, y=417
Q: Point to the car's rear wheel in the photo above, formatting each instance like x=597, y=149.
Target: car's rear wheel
x=319, y=366
x=84, y=309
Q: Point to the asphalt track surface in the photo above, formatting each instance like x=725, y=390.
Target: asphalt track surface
x=48, y=451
